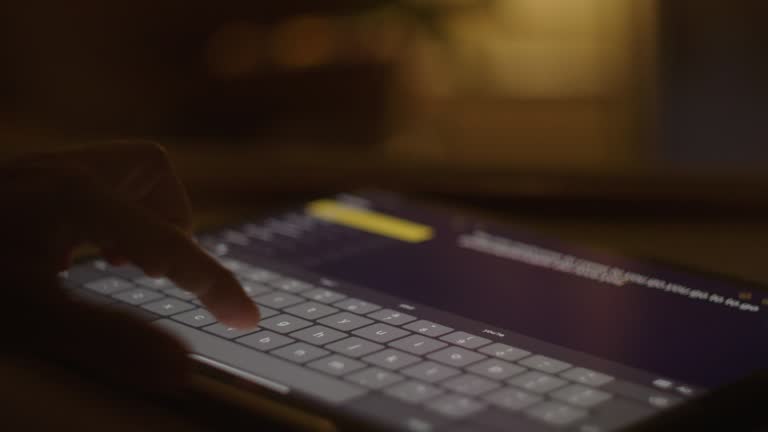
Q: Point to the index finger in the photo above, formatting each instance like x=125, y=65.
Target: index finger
x=137, y=172
x=155, y=245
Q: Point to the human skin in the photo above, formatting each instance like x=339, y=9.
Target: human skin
x=125, y=199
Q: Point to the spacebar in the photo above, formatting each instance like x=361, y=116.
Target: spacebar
x=262, y=365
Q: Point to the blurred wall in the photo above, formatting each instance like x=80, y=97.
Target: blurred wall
x=713, y=70
x=146, y=67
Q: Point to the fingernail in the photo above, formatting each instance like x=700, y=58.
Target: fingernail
x=243, y=314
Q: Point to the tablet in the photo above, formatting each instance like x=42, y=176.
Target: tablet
x=383, y=313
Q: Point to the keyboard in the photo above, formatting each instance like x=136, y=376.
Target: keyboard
x=377, y=361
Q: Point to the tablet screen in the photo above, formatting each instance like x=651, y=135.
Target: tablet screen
x=690, y=327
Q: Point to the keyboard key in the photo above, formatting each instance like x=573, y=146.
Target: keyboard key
x=137, y=296
x=140, y=314
x=345, y=321
x=430, y=371
x=227, y=332
x=586, y=376
x=83, y=295
x=181, y=294
x=392, y=317
x=318, y=335
x=471, y=385
x=357, y=306
x=100, y=264
x=537, y=382
x=267, y=370
x=504, y=352
x=124, y=271
x=266, y=312
x=413, y=391
x=456, y=356
x=168, y=306
x=278, y=300
x=581, y=396
x=374, y=378
x=233, y=265
x=545, y=364
x=428, y=328
x=253, y=289
x=256, y=274
x=284, y=323
x=155, y=283
x=512, y=399
x=409, y=417
x=109, y=285
x=417, y=344
x=291, y=285
x=495, y=419
x=465, y=340
x=323, y=295
x=195, y=318
x=641, y=393
x=392, y=359
x=455, y=406
x=311, y=310
x=496, y=369
x=336, y=365
x=300, y=352
x=247, y=271
x=556, y=413
x=616, y=414
x=265, y=340
x=80, y=274
x=380, y=332
x=235, y=237
x=354, y=347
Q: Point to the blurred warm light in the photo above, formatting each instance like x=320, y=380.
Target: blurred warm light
x=526, y=83
x=538, y=48
x=377, y=37
x=304, y=41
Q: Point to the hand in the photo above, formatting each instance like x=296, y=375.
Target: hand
x=126, y=200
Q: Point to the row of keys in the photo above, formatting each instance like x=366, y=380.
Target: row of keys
x=577, y=374
x=382, y=333
x=315, y=310
x=466, y=384
x=509, y=398
x=426, y=328
x=439, y=354
x=417, y=391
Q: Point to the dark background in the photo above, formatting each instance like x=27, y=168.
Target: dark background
x=636, y=125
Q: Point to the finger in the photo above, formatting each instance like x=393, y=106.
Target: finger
x=114, y=258
x=134, y=171
x=159, y=248
x=62, y=207
x=152, y=182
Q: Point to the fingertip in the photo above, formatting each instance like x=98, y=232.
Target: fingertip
x=236, y=311
x=241, y=314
